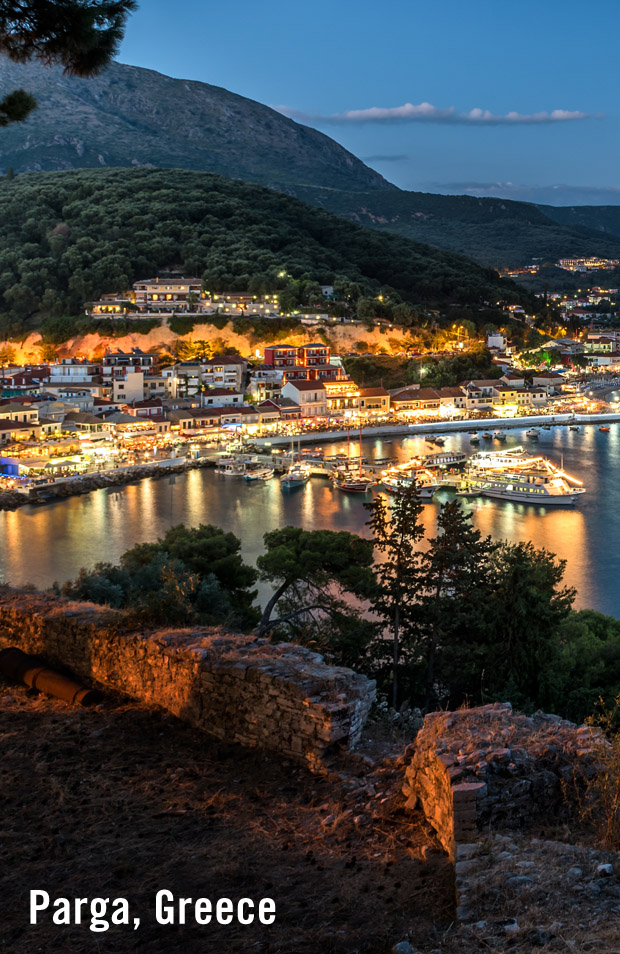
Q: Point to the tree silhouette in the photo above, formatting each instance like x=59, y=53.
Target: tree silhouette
x=80, y=35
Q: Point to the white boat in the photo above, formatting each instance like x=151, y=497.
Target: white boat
x=297, y=475
x=522, y=479
x=235, y=468
x=394, y=480
x=533, y=433
x=487, y=435
x=352, y=482
x=474, y=439
x=260, y=473
x=500, y=435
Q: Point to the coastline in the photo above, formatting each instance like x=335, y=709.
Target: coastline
x=76, y=486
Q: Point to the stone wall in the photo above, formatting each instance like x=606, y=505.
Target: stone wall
x=240, y=689
x=488, y=769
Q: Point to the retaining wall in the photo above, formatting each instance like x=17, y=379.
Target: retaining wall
x=240, y=689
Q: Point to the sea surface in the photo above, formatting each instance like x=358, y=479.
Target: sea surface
x=50, y=542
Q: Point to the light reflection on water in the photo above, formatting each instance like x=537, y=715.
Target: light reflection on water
x=51, y=542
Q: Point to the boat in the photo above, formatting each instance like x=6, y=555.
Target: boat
x=440, y=441
x=394, y=481
x=352, y=482
x=500, y=435
x=474, y=439
x=533, y=433
x=297, y=475
x=234, y=468
x=259, y=473
x=573, y=427
x=522, y=479
x=604, y=429
x=487, y=435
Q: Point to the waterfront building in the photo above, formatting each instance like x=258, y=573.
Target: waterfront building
x=311, y=397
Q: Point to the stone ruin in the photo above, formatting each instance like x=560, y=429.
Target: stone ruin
x=489, y=768
x=281, y=698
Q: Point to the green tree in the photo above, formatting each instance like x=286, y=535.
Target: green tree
x=454, y=586
x=191, y=575
x=526, y=607
x=312, y=571
x=396, y=530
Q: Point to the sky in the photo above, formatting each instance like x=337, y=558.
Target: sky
x=483, y=97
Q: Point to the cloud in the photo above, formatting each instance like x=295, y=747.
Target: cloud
x=402, y=158
x=427, y=113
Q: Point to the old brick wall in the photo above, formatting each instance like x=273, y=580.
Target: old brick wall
x=282, y=698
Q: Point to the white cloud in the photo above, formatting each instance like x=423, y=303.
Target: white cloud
x=426, y=112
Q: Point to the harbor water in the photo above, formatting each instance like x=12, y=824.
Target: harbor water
x=43, y=543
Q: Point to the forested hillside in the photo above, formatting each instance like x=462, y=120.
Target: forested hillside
x=66, y=238
x=494, y=232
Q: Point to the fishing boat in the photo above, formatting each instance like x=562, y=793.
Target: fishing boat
x=474, y=439
x=259, y=473
x=394, y=480
x=487, y=435
x=500, y=435
x=533, y=433
x=296, y=476
x=234, y=468
x=352, y=482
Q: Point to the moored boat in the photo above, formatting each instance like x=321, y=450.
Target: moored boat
x=259, y=473
x=533, y=433
x=297, y=475
x=352, y=482
x=604, y=429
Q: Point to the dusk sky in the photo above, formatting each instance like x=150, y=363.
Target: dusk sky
x=485, y=97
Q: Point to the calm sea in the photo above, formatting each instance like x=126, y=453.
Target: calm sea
x=41, y=544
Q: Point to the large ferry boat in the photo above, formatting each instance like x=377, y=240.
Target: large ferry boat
x=512, y=475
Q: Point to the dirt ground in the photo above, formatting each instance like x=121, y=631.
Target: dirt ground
x=121, y=801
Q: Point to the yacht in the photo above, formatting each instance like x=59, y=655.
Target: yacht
x=523, y=479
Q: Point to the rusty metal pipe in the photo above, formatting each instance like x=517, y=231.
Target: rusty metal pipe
x=17, y=665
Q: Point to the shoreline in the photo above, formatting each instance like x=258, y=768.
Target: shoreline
x=76, y=486
x=441, y=427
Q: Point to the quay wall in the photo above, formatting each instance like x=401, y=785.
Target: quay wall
x=237, y=688
x=439, y=427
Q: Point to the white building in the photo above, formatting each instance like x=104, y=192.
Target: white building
x=311, y=397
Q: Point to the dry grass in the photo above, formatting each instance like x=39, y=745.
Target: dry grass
x=122, y=801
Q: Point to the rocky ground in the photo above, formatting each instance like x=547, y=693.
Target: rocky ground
x=119, y=801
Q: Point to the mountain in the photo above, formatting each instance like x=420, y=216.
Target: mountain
x=599, y=218
x=67, y=237
x=494, y=232
x=129, y=116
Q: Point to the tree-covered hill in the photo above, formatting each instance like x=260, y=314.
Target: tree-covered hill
x=68, y=237
x=494, y=232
